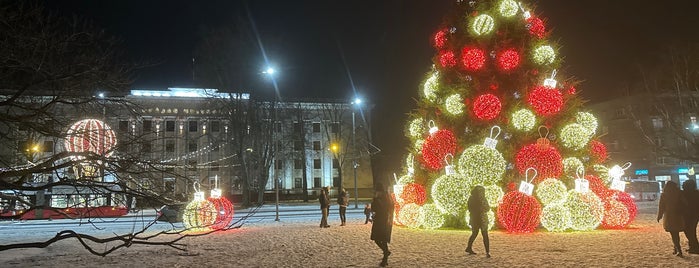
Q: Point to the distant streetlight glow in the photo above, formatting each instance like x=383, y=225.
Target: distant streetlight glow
x=269, y=71
x=101, y=95
x=357, y=101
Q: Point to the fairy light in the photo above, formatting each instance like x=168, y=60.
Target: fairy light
x=414, y=193
x=486, y=107
x=431, y=217
x=545, y=101
x=440, y=38
x=482, y=165
x=482, y=25
x=409, y=215
x=454, y=104
x=598, y=152
x=586, y=210
x=543, y=55
x=447, y=59
x=587, y=120
x=431, y=86
x=519, y=212
x=472, y=59
x=450, y=193
x=494, y=194
x=555, y=217
x=551, y=191
x=575, y=136
x=523, y=120
x=416, y=127
x=436, y=146
x=543, y=157
x=508, y=59
x=571, y=165
x=508, y=8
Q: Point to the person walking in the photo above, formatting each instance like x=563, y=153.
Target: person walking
x=383, y=206
x=343, y=201
x=324, y=206
x=671, y=209
x=691, y=214
x=367, y=213
x=478, y=211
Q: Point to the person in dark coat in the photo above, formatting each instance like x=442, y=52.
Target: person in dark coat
x=343, y=201
x=324, y=200
x=478, y=211
x=382, y=205
x=691, y=215
x=367, y=213
x=671, y=210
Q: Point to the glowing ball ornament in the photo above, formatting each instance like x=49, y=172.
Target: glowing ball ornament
x=616, y=214
x=90, y=136
x=447, y=59
x=508, y=8
x=586, y=210
x=551, y=191
x=429, y=90
x=599, y=187
x=494, y=194
x=543, y=55
x=545, y=100
x=414, y=193
x=450, y=193
x=483, y=164
x=224, y=208
x=418, y=145
x=555, y=217
x=472, y=59
x=523, y=120
x=487, y=107
x=199, y=213
x=491, y=219
x=571, y=165
x=436, y=147
x=431, y=217
x=519, y=212
x=409, y=215
x=536, y=27
x=482, y=25
x=416, y=128
x=598, y=152
x=543, y=157
x=575, y=136
x=454, y=104
x=440, y=38
x=508, y=60
x=587, y=120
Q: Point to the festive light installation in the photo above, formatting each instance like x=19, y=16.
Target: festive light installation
x=416, y=127
x=598, y=151
x=396, y=210
x=491, y=219
x=616, y=214
x=431, y=217
x=487, y=107
x=409, y=215
x=598, y=186
x=482, y=25
x=551, y=191
x=472, y=59
x=544, y=55
x=519, y=212
x=418, y=144
x=493, y=194
x=543, y=157
x=571, y=165
x=199, y=213
x=523, y=120
x=447, y=59
x=440, y=39
x=90, y=135
x=431, y=86
x=555, y=217
x=508, y=59
x=586, y=210
x=224, y=208
x=536, y=27
x=508, y=8
x=545, y=101
x=450, y=193
x=454, y=104
x=414, y=193
x=481, y=165
x=587, y=120
x=575, y=136
x=436, y=146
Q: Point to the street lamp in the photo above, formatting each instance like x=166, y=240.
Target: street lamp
x=270, y=72
x=357, y=102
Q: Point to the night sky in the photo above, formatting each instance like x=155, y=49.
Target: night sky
x=386, y=45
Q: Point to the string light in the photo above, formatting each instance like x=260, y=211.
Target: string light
x=523, y=120
x=551, y=191
x=416, y=127
x=414, y=193
x=494, y=194
x=536, y=27
x=587, y=120
x=545, y=101
x=482, y=165
x=541, y=156
x=472, y=59
x=571, y=166
x=430, y=217
x=454, y=104
x=508, y=59
x=586, y=210
x=555, y=217
x=482, y=25
x=544, y=55
x=440, y=39
x=450, y=193
x=575, y=136
x=447, y=59
x=519, y=212
x=598, y=151
x=508, y=8
x=436, y=147
x=487, y=107
x=431, y=86
x=409, y=215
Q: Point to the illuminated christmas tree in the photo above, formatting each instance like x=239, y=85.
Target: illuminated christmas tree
x=495, y=104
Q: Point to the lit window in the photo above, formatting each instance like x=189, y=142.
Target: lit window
x=657, y=122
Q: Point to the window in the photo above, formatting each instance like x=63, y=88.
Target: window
x=335, y=127
x=316, y=164
x=298, y=164
x=278, y=164
x=48, y=147
x=316, y=127
x=316, y=145
x=298, y=183
x=336, y=182
x=660, y=160
x=170, y=146
x=658, y=141
x=147, y=125
x=298, y=145
x=215, y=126
x=123, y=126
x=192, y=147
x=620, y=113
x=336, y=164
x=193, y=126
x=170, y=126
x=316, y=182
x=657, y=122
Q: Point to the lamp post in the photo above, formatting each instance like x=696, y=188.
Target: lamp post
x=270, y=72
x=356, y=102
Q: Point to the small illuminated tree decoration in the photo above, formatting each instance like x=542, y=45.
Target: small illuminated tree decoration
x=551, y=191
x=417, y=127
x=555, y=217
x=491, y=219
x=620, y=219
x=483, y=164
x=587, y=120
x=545, y=101
x=450, y=193
x=472, y=58
x=199, y=213
x=571, y=165
x=89, y=136
x=431, y=217
x=586, y=210
x=409, y=215
x=224, y=208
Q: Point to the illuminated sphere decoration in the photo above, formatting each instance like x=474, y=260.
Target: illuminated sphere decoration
x=199, y=214
x=414, y=193
x=541, y=156
x=508, y=8
x=447, y=59
x=440, y=39
x=545, y=100
x=598, y=152
x=90, y=135
x=551, y=191
x=508, y=59
x=481, y=165
x=523, y=120
x=409, y=215
x=494, y=194
x=616, y=214
x=519, y=212
x=482, y=25
x=599, y=187
x=574, y=136
x=418, y=145
x=436, y=147
x=543, y=55
x=431, y=217
x=571, y=166
x=472, y=59
x=487, y=107
x=587, y=120
x=450, y=193
x=491, y=219
x=416, y=127
x=454, y=104
x=224, y=214
x=586, y=210
x=555, y=217
x=536, y=27
x=431, y=86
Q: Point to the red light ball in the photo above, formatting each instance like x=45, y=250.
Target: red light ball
x=440, y=39
x=414, y=193
x=447, y=59
x=224, y=212
x=536, y=27
x=545, y=100
x=598, y=151
x=436, y=147
x=487, y=107
x=508, y=60
x=519, y=212
x=473, y=59
x=543, y=157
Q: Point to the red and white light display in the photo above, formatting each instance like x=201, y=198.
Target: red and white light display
x=543, y=157
x=519, y=212
x=91, y=135
x=545, y=101
x=447, y=59
x=436, y=147
x=508, y=60
x=414, y=193
x=486, y=107
x=536, y=27
x=440, y=39
x=472, y=59
x=598, y=152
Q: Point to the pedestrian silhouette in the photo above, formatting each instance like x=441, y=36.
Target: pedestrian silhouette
x=671, y=210
x=478, y=211
x=382, y=205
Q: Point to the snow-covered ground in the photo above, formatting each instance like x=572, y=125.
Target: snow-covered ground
x=299, y=242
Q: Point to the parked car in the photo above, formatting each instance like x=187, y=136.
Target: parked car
x=171, y=213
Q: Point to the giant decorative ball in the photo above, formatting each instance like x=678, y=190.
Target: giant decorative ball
x=431, y=217
x=409, y=215
x=481, y=165
x=199, y=214
x=487, y=107
x=436, y=147
x=508, y=8
x=544, y=55
x=454, y=104
x=586, y=210
x=450, y=193
x=555, y=217
x=482, y=24
x=523, y=120
x=414, y=193
x=551, y=191
x=575, y=136
x=543, y=157
x=519, y=212
x=225, y=212
x=472, y=59
x=429, y=90
x=545, y=101
x=494, y=194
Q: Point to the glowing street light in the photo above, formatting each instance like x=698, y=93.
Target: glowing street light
x=357, y=103
x=270, y=71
